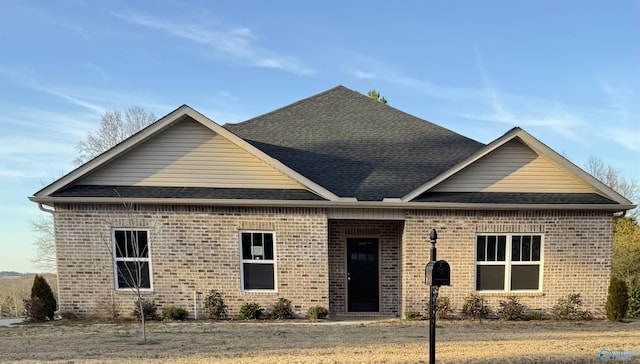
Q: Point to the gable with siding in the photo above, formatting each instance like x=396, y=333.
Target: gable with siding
x=188, y=154
x=514, y=167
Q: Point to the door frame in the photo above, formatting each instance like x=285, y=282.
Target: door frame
x=346, y=270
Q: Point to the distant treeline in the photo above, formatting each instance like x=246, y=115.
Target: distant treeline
x=15, y=287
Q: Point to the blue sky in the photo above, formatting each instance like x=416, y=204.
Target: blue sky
x=568, y=72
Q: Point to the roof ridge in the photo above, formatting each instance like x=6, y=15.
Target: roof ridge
x=338, y=87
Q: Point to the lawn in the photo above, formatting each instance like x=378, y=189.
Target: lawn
x=383, y=341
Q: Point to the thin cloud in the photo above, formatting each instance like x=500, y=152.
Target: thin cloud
x=236, y=43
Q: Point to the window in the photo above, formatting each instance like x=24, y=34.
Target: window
x=257, y=257
x=508, y=262
x=131, y=259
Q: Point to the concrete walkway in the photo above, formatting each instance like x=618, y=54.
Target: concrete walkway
x=9, y=321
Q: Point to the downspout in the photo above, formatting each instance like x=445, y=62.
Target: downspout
x=52, y=212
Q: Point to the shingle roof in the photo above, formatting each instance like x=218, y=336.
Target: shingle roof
x=186, y=192
x=355, y=146
x=514, y=198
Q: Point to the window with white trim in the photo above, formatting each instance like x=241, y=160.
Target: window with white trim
x=131, y=263
x=509, y=262
x=258, y=261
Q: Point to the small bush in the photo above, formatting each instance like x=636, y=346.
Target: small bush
x=317, y=312
x=282, y=310
x=149, y=309
x=444, y=308
x=35, y=310
x=250, y=311
x=214, y=306
x=633, y=309
x=42, y=304
x=68, y=315
x=511, y=310
x=411, y=315
x=570, y=308
x=474, y=307
x=174, y=313
x=617, y=300
x=107, y=308
x=537, y=315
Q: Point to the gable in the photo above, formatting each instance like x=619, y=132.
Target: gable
x=514, y=167
x=188, y=154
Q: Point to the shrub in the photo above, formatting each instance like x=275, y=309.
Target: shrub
x=282, y=310
x=250, y=311
x=537, y=315
x=617, y=300
x=444, y=308
x=149, y=309
x=474, y=307
x=47, y=302
x=511, y=309
x=570, y=308
x=68, y=315
x=35, y=310
x=107, y=308
x=633, y=309
x=411, y=315
x=317, y=312
x=214, y=306
x=174, y=313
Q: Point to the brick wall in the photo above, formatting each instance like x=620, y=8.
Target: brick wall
x=192, y=249
x=196, y=249
x=577, y=254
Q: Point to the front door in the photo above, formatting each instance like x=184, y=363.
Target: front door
x=362, y=275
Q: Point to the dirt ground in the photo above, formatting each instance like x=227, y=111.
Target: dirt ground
x=381, y=341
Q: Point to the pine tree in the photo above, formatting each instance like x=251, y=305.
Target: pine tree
x=42, y=291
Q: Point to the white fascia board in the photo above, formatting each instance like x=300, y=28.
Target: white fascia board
x=161, y=124
x=329, y=204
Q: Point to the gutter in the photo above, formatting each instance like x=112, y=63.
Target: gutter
x=347, y=203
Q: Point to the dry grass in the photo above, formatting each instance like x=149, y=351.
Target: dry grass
x=389, y=341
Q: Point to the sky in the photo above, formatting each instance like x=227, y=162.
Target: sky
x=568, y=72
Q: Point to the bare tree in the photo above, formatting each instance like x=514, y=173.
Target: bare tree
x=45, y=243
x=612, y=177
x=129, y=249
x=114, y=128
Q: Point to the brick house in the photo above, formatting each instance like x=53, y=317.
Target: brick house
x=328, y=201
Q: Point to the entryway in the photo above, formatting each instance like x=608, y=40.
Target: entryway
x=363, y=286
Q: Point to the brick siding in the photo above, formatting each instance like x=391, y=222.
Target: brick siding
x=196, y=249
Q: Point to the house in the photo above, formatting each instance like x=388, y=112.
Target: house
x=328, y=201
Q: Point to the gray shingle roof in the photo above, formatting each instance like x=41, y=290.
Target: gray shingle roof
x=355, y=146
x=514, y=198
x=186, y=192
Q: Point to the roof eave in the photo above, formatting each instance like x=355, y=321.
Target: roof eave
x=330, y=204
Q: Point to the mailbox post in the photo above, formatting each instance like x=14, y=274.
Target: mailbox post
x=436, y=273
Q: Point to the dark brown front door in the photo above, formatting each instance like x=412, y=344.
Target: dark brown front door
x=362, y=275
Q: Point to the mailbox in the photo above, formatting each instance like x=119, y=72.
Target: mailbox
x=438, y=273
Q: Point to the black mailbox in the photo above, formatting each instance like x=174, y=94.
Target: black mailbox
x=438, y=273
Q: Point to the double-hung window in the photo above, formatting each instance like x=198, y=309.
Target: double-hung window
x=131, y=259
x=508, y=262
x=258, y=263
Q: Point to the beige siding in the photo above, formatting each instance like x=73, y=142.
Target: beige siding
x=513, y=167
x=190, y=155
